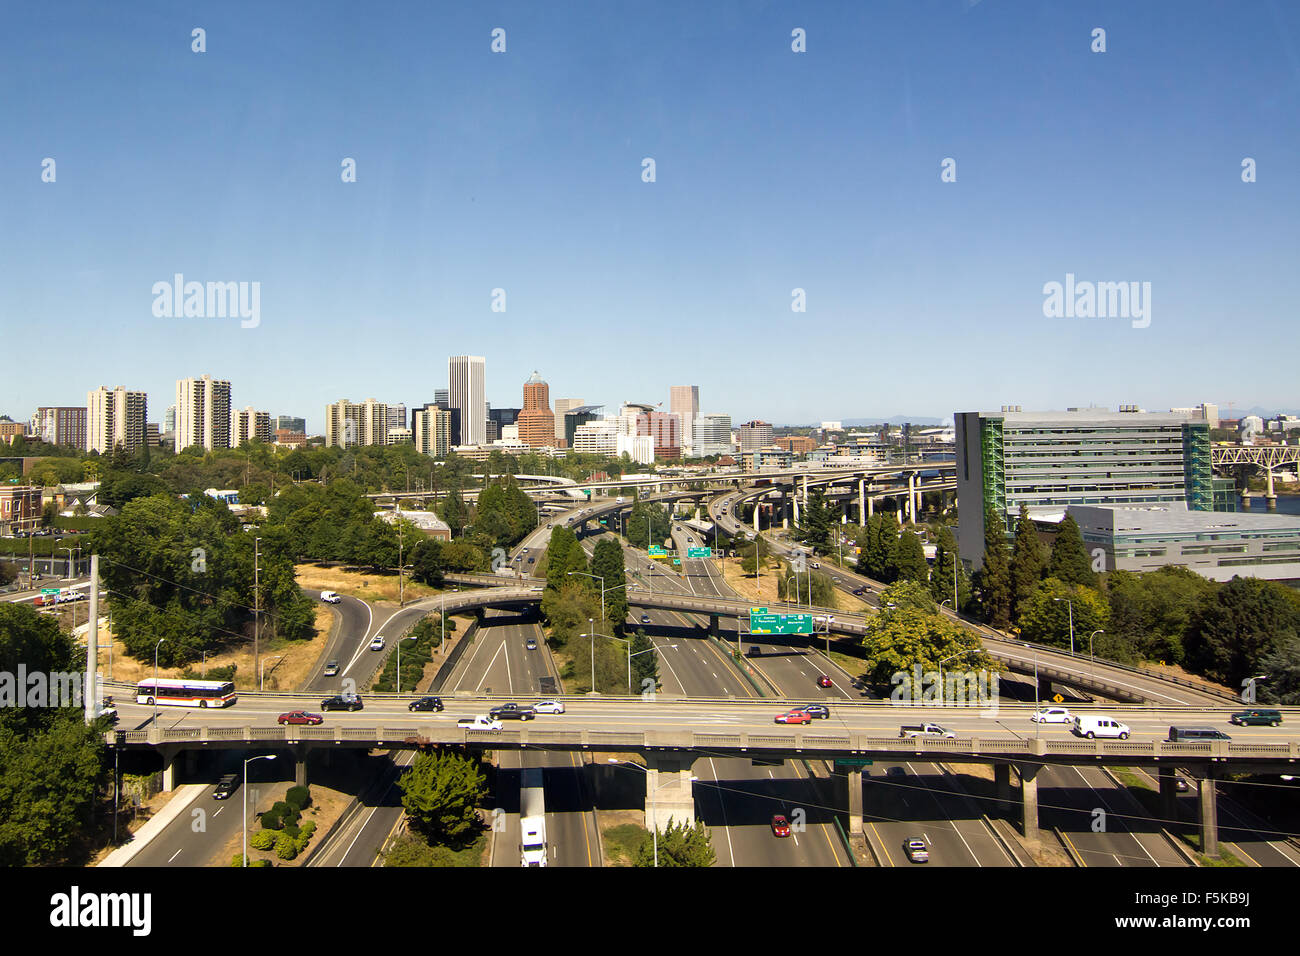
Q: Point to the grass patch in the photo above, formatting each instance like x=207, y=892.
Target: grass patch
x=1132, y=780
x=623, y=842
x=411, y=849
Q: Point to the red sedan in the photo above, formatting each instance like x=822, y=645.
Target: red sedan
x=301, y=717
x=795, y=716
x=780, y=826
x=823, y=681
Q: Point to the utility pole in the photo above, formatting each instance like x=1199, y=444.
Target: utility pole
x=400, y=593
x=257, y=598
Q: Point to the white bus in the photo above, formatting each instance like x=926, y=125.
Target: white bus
x=186, y=693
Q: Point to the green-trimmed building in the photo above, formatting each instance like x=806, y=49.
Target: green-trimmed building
x=1086, y=456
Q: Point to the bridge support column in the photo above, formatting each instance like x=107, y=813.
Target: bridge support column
x=794, y=503
x=300, y=765
x=1002, y=784
x=756, y=500
x=1029, y=800
x=862, y=501
x=669, y=796
x=911, y=512
x=1168, y=794
x=1208, y=806
x=714, y=629
x=856, y=820
x=169, y=758
x=1270, y=498
x=871, y=507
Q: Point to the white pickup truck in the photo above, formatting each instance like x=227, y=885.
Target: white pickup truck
x=924, y=730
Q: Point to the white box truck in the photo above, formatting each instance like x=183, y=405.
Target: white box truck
x=532, y=817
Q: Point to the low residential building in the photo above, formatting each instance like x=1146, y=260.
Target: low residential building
x=426, y=521
x=20, y=509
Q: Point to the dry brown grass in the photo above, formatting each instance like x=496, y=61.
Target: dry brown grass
x=761, y=592
x=296, y=659
x=368, y=587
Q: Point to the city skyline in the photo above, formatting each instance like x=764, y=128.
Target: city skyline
x=521, y=188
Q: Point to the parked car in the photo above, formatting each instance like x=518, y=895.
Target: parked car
x=331, y=669
x=330, y=597
x=227, y=785
x=916, y=851
x=512, y=711
x=378, y=643
x=549, y=707
x=301, y=717
x=796, y=716
x=1098, y=725
x=780, y=825
x=341, y=702
x=824, y=680
x=1194, y=734
x=426, y=703
x=1051, y=715
x=481, y=722
x=1255, y=715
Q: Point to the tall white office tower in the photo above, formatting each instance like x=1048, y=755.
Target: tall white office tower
x=467, y=394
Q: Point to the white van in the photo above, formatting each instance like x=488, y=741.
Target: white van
x=1097, y=725
x=330, y=597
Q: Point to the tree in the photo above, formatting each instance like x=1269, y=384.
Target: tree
x=427, y=562
x=995, y=574
x=1150, y=613
x=679, y=845
x=1046, y=618
x=907, y=562
x=607, y=563
x=441, y=793
x=815, y=521
x=946, y=564
x=900, y=639
x=1282, y=666
x=645, y=666
x=1026, y=563
x=1069, y=560
x=1243, y=622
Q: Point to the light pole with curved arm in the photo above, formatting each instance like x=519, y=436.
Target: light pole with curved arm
x=244, y=861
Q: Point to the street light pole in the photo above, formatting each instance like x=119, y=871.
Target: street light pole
x=161, y=641
x=1092, y=661
x=244, y=860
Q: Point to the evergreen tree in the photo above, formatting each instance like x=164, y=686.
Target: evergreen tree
x=607, y=563
x=679, y=845
x=1026, y=563
x=645, y=666
x=907, y=562
x=995, y=575
x=946, y=562
x=1070, y=561
x=441, y=792
x=815, y=521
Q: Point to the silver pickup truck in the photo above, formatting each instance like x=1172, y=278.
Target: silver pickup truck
x=924, y=730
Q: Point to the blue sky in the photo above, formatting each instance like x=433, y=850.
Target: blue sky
x=775, y=170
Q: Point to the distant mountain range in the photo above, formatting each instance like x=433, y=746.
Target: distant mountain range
x=918, y=420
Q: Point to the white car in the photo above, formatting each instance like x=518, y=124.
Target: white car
x=1052, y=715
x=378, y=643
x=481, y=722
x=330, y=597
x=549, y=707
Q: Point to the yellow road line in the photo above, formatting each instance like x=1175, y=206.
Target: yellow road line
x=883, y=848
x=1068, y=842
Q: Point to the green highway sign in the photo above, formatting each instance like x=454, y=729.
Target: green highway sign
x=848, y=763
x=761, y=621
x=677, y=560
x=657, y=552
x=699, y=552
x=48, y=591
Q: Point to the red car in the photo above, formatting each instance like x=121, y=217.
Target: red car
x=780, y=826
x=823, y=681
x=795, y=716
x=301, y=717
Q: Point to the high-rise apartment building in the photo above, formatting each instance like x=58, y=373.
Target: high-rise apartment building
x=431, y=430
x=290, y=423
x=684, y=402
x=115, y=417
x=348, y=423
x=248, y=424
x=467, y=394
x=664, y=427
x=536, y=420
x=60, y=425
x=397, y=415
x=754, y=435
x=1082, y=456
x=202, y=413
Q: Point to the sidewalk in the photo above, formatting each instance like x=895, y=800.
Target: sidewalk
x=178, y=804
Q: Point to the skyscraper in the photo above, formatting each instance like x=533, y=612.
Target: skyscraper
x=467, y=394
x=115, y=417
x=248, y=424
x=202, y=413
x=61, y=425
x=685, y=404
x=431, y=430
x=536, y=420
x=348, y=424
x=562, y=407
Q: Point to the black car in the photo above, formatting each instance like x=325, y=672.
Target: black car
x=816, y=710
x=512, y=712
x=341, y=702
x=227, y=785
x=859, y=591
x=426, y=703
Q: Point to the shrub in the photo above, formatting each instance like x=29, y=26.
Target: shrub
x=262, y=840
x=271, y=820
x=286, y=813
x=299, y=798
x=292, y=830
x=285, y=847
x=304, y=834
